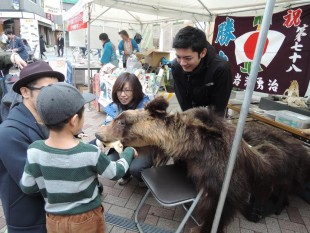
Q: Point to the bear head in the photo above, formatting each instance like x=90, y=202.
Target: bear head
x=136, y=127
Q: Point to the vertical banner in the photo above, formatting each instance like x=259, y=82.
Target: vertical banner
x=29, y=30
x=52, y=7
x=156, y=35
x=286, y=54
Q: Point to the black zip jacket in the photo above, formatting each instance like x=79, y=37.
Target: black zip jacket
x=209, y=84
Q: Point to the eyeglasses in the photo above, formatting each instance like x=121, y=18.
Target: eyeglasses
x=126, y=92
x=34, y=88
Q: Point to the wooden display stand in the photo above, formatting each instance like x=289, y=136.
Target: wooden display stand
x=294, y=131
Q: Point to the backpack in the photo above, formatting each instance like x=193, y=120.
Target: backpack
x=8, y=97
x=138, y=38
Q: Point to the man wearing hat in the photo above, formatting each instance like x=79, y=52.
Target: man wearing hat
x=23, y=126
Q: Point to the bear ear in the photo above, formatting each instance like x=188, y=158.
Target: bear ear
x=157, y=107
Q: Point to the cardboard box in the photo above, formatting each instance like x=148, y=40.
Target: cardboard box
x=139, y=56
x=153, y=57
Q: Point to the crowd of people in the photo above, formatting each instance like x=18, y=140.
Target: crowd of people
x=46, y=169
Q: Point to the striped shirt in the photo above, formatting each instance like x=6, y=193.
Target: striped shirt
x=67, y=178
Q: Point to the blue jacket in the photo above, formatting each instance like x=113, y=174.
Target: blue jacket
x=112, y=110
x=23, y=213
x=109, y=54
x=121, y=47
x=18, y=44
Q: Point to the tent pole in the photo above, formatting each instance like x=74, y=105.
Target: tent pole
x=205, y=7
x=63, y=29
x=244, y=110
x=88, y=49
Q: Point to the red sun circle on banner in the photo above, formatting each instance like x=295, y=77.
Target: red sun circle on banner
x=250, y=45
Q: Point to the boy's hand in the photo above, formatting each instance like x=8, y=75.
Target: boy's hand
x=135, y=152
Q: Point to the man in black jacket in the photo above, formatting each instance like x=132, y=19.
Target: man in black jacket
x=23, y=213
x=201, y=77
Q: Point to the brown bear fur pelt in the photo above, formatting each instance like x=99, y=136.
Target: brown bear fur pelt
x=272, y=162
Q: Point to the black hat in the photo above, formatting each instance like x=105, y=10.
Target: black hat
x=34, y=71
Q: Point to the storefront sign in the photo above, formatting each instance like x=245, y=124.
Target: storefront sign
x=15, y=4
x=76, y=22
x=286, y=55
x=52, y=7
x=70, y=1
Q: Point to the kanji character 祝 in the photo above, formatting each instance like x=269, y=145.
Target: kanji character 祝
x=292, y=18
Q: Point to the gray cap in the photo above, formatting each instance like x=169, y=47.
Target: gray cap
x=60, y=101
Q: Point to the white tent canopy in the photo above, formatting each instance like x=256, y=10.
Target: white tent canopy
x=152, y=11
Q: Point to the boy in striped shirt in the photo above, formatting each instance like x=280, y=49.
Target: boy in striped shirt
x=65, y=169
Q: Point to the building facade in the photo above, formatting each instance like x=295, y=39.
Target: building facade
x=27, y=19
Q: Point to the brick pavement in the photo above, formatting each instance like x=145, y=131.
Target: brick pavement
x=123, y=200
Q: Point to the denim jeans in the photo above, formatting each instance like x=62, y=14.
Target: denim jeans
x=90, y=222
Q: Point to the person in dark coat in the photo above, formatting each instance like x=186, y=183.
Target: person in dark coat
x=42, y=46
x=23, y=213
x=201, y=76
x=60, y=44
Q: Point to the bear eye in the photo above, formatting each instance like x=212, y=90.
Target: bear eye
x=121, y=122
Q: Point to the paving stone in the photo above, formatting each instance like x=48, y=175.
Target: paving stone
x=286, y=231
x=111, y=191
x=234, y=226
x=128, y=231
x=179, y=213
x=244, y=231
x=133, y=201
x=292, y=226
x=143, y=212
x=168, y=224
x=122, y=212
x=259, y=227
x=306, y=221
x=127, y=191
x=106, y=206
x=108, y=227
x=106, y=182
x=294, y=215
x=116, y=229
x=283, y=216
x=272, y=225
x=151, y=219
x=298, y=203
x=115, y=200
x=140, y=190
x=161, y=212
x=152, y=201
x=304, y=212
